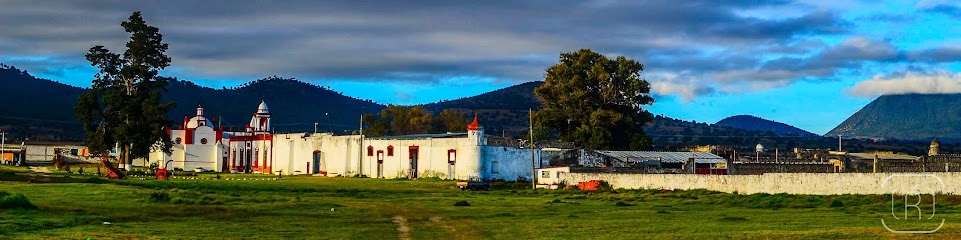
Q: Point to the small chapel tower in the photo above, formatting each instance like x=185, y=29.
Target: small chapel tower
x=935, y=148
x=260, y=122
x=475, y=133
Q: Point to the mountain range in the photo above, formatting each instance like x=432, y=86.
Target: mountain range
x=753, y=123
x=296, y=106
x=906, y=116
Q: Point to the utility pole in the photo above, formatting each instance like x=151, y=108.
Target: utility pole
x=839, y=142
x=530, y=114
x=3, y=139
x=360, y=158
x=775, y=159
x=329, y=129
x=315, y=127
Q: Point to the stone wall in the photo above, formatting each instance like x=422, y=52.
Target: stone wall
x=791, y=183
x=789, y=167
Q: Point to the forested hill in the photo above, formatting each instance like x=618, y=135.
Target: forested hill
x=42, y=110
x=503, y=111
x=294, y=105
x=754, y=123
x=36, y=108
x=907, y=116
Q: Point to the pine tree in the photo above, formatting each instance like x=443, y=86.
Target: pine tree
x=123, y=108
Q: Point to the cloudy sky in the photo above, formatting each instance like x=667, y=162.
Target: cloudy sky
x=810, y=64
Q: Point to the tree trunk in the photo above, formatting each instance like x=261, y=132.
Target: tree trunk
x=120, y=155
x=128, y=163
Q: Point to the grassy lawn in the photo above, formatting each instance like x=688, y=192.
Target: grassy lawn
x=299, y=207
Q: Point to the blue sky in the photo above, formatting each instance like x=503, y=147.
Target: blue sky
x=807, y=63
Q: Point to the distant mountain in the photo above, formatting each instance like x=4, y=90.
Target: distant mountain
x=753, y=123
x=35, y=108
x=503, y=111
x=906, y=116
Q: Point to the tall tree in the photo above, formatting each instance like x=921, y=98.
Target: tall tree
x=123, y=109
x=596, y=102
x=451, y=120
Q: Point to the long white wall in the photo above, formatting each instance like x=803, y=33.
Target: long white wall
x=295, y=153
x=791, y=183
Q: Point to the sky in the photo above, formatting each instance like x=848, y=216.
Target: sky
x=810, y=64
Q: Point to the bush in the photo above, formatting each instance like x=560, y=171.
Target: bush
x=622, y=204
x=160, y=197
x=182, y=201
x=605, y=187
x=15, y=201
x=461, y=203
x=733, y=219
x=837, y=203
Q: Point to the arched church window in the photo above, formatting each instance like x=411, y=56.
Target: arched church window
x=390, y=151
x=370, y=151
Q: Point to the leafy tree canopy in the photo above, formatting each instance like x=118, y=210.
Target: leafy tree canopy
x=405, y=120
x=124, y=106
x=596, y=102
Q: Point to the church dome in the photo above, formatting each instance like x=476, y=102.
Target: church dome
x=262, y=109
x=759, y=148
x=197, y=121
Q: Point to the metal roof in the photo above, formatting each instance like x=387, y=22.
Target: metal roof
x=423, y=136
x=668, y=157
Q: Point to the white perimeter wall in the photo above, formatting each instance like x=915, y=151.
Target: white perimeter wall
x=507, y=163
x=208, y=157
x=347, y=156
x=791, y=183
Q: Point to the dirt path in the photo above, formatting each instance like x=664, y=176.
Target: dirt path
x=40, y=169
x=403, y=232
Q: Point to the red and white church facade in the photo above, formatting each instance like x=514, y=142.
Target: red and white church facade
x=198, y=145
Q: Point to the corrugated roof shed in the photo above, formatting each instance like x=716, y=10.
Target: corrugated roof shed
x=667, y=157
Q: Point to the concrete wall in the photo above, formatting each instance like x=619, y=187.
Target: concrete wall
x=42, y=152
x=507, y=163
x=791, y=183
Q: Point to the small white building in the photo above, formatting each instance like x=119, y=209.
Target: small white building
x=258, y=150
x=550, y=177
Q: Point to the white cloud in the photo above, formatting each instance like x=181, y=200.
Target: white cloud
x=666, y=83
x=909, y=82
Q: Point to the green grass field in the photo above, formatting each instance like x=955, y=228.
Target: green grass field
x=77, y=207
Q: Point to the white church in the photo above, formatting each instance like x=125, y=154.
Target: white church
x=257, y=149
